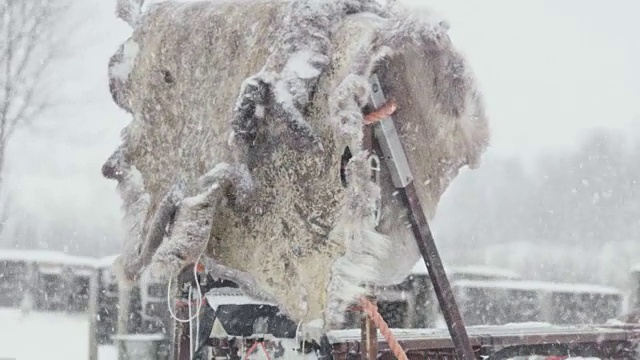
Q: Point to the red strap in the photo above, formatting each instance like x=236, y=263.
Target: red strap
x=253, y=347
x=384, y=111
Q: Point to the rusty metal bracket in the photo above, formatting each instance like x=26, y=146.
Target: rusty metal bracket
x=396, y=161
x=387, y=135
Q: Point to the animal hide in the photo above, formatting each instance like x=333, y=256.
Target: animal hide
x=241, y=114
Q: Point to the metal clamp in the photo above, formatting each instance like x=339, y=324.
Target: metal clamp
x=387, y=136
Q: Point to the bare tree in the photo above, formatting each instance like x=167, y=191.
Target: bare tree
x=29, y=42
x=5, y=202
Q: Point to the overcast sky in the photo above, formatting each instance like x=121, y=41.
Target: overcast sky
x=549, y=69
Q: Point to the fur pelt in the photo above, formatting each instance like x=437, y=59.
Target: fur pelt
x=242, y=111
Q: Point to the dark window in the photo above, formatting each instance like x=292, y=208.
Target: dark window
x=12, y=283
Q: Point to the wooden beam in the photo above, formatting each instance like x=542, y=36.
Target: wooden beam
x=94, y=290
x=369, y=337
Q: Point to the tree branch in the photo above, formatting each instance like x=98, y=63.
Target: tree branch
x=29, y=43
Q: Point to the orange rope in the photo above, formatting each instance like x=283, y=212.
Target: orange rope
x=383, y=112
x=372, y=311
x=254, y=346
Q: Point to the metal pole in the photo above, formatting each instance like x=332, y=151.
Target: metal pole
x=441, y=285
x=94, y=287
x=398, y=165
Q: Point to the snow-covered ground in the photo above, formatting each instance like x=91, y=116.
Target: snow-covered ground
x=46, y=335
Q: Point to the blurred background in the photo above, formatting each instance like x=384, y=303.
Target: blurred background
x=556, y=199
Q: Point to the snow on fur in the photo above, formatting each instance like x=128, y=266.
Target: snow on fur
x=191, y=228
x=122, y=69
x=256, y=185
x=302, y=54
x=136, y=203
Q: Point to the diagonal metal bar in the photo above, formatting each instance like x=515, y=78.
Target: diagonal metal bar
x=398, y=165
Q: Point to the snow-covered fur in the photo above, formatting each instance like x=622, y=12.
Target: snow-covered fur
x=136, y=202
x=242, y=111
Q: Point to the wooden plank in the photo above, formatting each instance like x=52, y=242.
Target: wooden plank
x=369, y=337
x=94, y=288
x=495, y=337
x=397, y=163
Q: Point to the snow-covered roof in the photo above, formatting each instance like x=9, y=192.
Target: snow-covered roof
x=547, y=286
x=45, y=256
x=107, y=261
x=421, y=269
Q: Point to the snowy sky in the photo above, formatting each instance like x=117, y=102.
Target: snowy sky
x=549, y=69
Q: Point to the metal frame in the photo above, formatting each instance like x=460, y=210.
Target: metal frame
x=601, y=341
x=611, y=342
x=393, y=155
